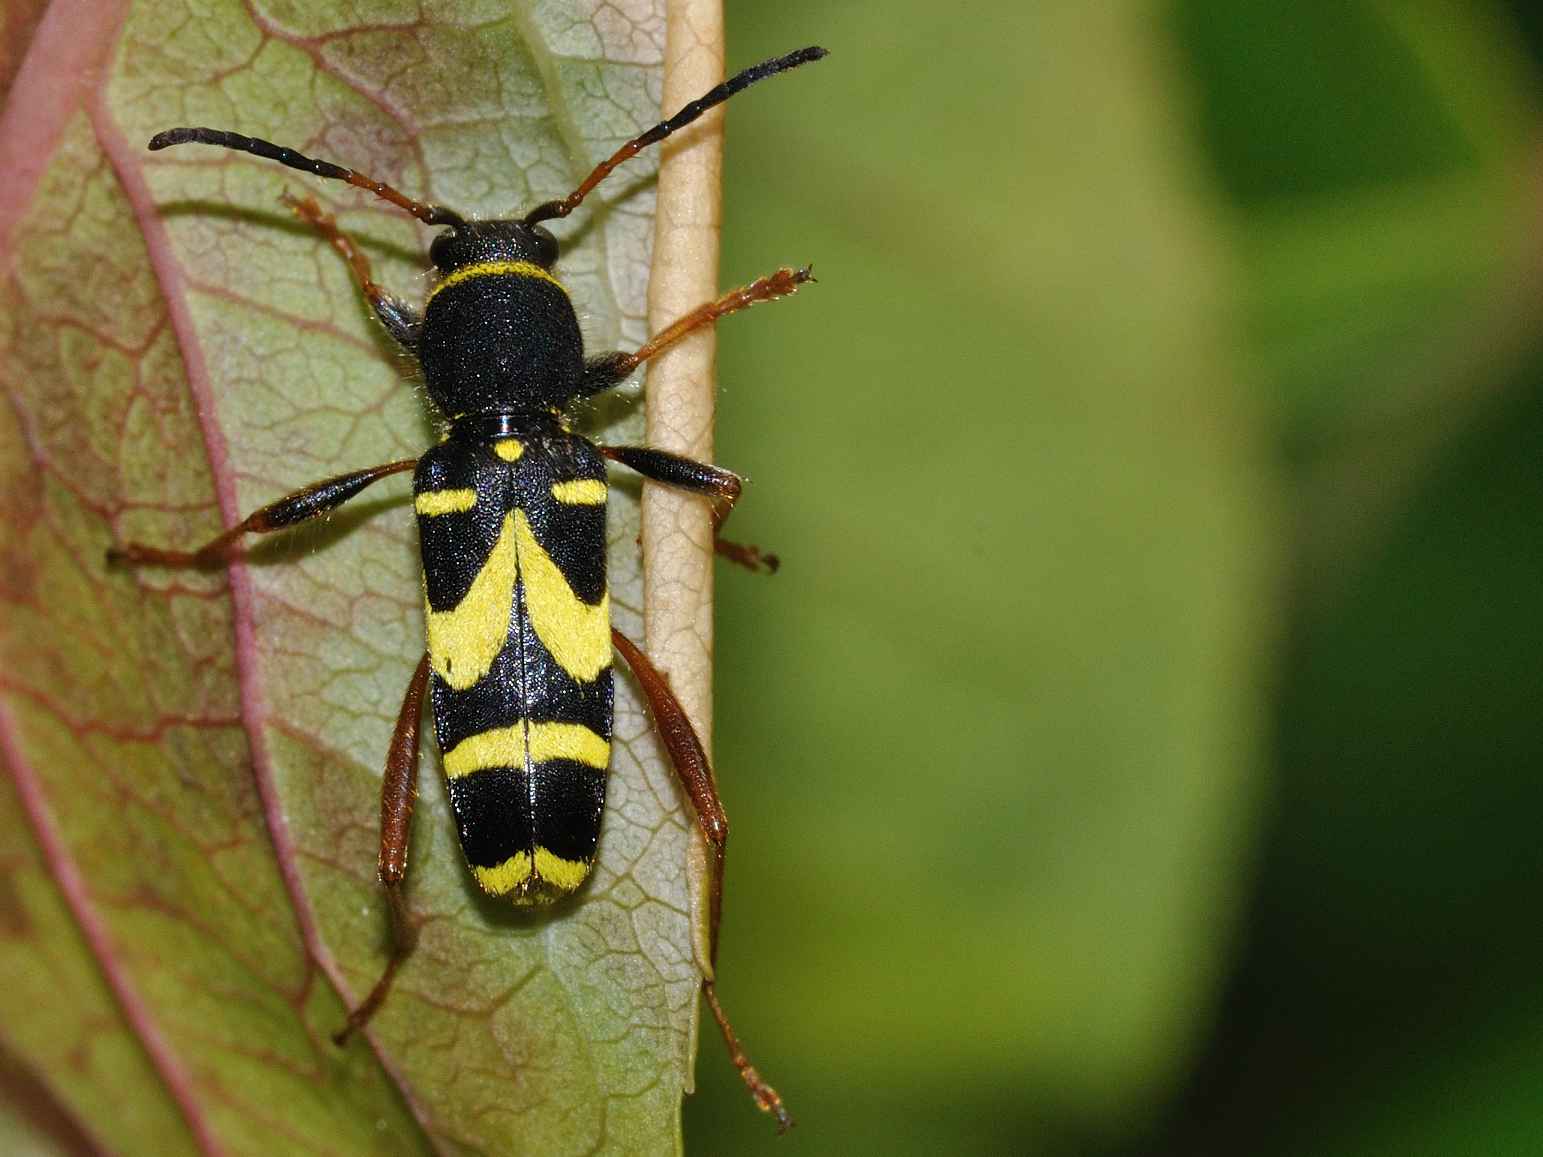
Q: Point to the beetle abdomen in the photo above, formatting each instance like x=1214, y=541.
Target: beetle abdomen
x=513, y=540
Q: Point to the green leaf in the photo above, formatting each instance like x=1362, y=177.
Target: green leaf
x=190, y=903
x=1386, y=285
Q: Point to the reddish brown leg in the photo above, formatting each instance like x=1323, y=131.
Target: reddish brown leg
x=744, y=554
x=314, y=500
x=398, y=794
x=696, y=776
x=607, y=370
x=400, y=321
x=720, y=486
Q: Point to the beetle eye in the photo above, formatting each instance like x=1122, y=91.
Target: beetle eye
x=439, y=248
x=546, y=247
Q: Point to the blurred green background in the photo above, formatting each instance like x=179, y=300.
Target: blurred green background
x=1139, y=750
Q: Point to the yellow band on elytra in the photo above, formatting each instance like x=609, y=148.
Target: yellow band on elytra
x=538, y=742
x=514, y=873
x=581, y=492
x=433, y=502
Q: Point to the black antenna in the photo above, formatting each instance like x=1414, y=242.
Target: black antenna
x=680, y=120
x=428, y=214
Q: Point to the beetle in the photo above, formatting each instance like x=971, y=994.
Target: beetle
x=511, y=509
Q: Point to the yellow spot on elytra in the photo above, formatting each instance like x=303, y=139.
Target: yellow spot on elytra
x=509, y=449
x=433, y=502
x=495, y=269
x=560, y=873
x=577, y=634
x=538, y=742
x=504, y=877
x=464, y=641
x=581, y=492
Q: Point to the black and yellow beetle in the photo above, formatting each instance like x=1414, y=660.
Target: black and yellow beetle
x=511, y=517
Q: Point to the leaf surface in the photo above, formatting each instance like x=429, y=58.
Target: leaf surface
x=196, y=756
